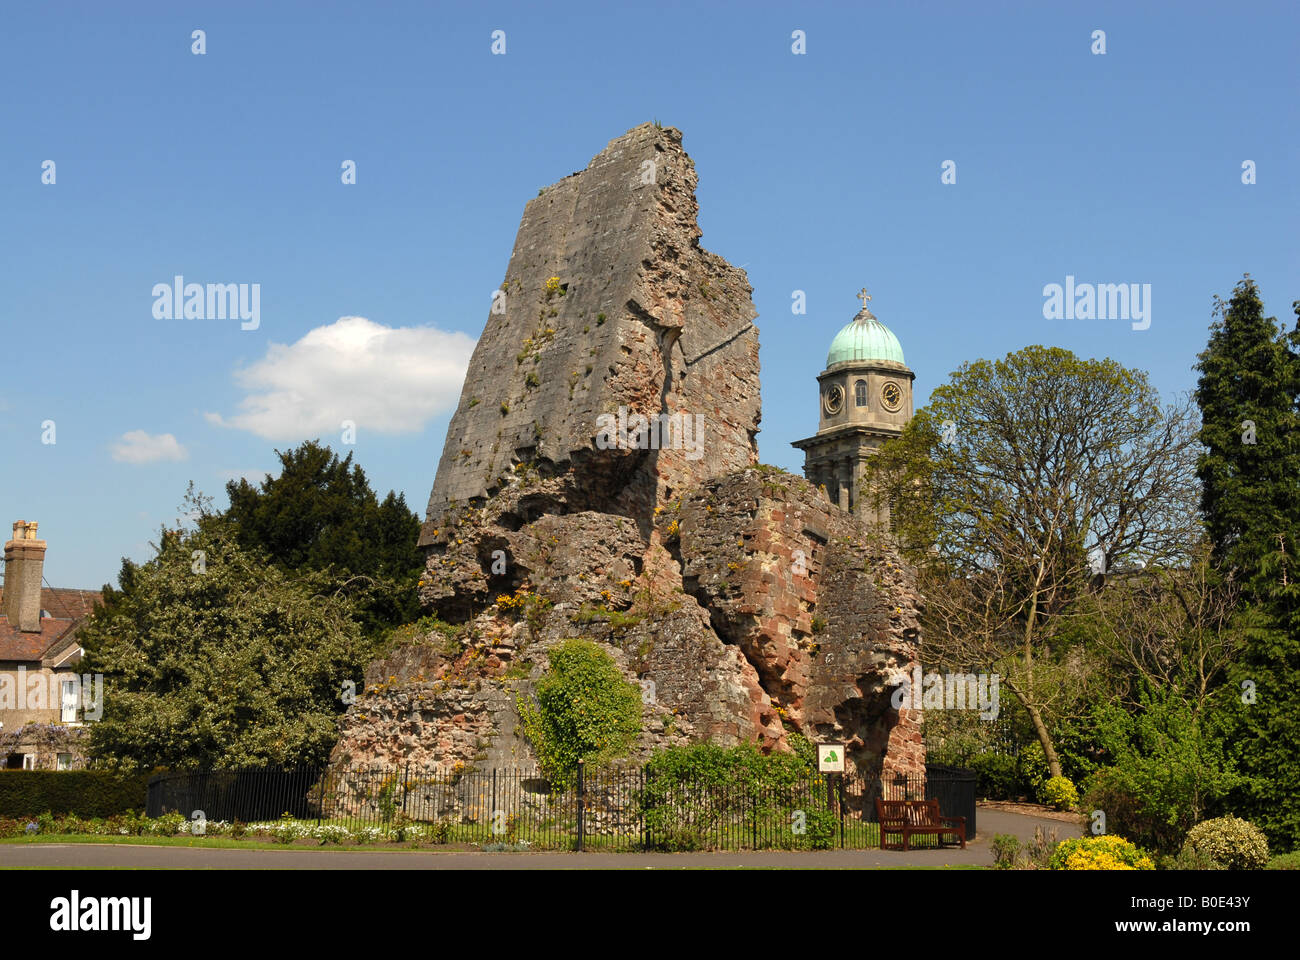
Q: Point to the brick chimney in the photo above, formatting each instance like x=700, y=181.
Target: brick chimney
x=24, y=569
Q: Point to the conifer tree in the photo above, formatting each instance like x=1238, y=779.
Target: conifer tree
x=1249, y=395
x=1264, y=705
x=1250, y=471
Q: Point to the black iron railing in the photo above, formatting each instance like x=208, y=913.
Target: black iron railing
x=611, y=809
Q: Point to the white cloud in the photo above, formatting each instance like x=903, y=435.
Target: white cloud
x=386, y=379
x=136, y=446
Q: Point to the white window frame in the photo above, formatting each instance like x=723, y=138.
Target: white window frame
x=63, y=761
x=29, y=761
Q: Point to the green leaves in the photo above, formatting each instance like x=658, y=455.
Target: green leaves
x=321, y=514
x=1171, y=763
x=241, y=664
x=584, y=710
x=1249, y=395
x=1020, y=481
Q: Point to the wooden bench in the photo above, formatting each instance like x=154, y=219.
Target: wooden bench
x=906, y=817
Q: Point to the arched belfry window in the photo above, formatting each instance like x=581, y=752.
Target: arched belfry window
x=860, y=393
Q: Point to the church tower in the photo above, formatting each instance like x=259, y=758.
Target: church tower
x=865, y=397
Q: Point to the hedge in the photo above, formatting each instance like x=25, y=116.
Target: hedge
x=87, y=793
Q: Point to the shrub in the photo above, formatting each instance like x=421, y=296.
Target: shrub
x=1171, y=766
x=1059, y=792
x=87, y=793
x=440, y=832
x=1032, y=766
x=168, y=825
x=821, y=827
x=996, y=776
x=585, y=710
x=1190, y=859
x=1006, y=851
x=1098, y=853
x=1129, y=813
x=1234, y=843
x=1287, y=861
x=693, y=792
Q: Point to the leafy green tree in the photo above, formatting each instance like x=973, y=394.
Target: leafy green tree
x=1170, y=766
x=1249, y=395
x=1018, y=482
x=1262, y=701
x=584, y=711
x=321, y=514
x=214, y=657
x=1250, y=427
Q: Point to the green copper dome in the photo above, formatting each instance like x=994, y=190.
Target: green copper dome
x=863, y=339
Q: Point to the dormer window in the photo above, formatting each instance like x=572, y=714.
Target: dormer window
x=860, y=393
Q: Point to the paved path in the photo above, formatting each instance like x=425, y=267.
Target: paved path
x=74, y=855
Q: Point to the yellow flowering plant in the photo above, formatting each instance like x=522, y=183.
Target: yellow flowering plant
x=1107, y=852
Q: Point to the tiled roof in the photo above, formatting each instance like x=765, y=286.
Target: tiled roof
x=16, y=644
x=65, y=603
x=66, y=607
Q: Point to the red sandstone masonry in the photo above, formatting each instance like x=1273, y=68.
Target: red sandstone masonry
x=752, y=605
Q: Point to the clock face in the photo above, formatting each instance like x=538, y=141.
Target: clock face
x=891, y=395
x=834, y=399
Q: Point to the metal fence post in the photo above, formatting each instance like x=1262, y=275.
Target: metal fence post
x=839, y=780
x=582, y=825
x=645, y=820
x=406, y=777
x=320, y=803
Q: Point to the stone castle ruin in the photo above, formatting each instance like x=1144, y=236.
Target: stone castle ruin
x=600, y=480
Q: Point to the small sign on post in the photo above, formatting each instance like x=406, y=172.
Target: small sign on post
x=830, y=758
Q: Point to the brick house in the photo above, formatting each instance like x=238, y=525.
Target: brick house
x=43, y=700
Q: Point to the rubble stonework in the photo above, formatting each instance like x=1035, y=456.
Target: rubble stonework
x=644, y=319
x=746, y=604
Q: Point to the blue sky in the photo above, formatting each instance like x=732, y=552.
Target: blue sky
x=818, y=172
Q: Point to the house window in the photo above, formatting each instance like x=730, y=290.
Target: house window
x=68, y=708
x=860, y=393
x=64, y=761
x=29, y=761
